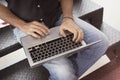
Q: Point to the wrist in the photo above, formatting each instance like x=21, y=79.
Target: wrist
x=67, y=18
x=20, y=24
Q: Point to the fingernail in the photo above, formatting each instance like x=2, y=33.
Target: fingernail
x=72, y=40
x=76, y=41
x=64, y=35
x=48, y=33
x=48, y=30
x=39, y=37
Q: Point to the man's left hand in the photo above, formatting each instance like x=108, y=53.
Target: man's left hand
x=71, y=26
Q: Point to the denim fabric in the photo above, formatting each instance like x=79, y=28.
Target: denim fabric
x=74, y=66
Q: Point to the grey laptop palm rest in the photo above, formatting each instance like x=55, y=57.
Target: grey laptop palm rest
x=39, y=51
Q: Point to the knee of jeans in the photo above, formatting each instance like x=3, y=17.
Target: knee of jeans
x=99, y=49
x=104, y=41
x=102, y=46
x=60, y=69
x=63, y=73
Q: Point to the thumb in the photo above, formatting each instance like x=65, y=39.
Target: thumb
x=62, y=32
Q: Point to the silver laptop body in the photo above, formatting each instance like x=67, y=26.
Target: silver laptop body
x=39, y=51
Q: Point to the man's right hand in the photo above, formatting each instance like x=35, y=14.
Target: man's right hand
x=35, y=29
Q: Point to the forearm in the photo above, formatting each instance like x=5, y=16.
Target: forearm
x=8, y=16
x=67, y=8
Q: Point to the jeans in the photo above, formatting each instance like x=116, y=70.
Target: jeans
x=70, y=68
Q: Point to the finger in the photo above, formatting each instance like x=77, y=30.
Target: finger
x=40, y=29
x=62, y=32
x=45, y=29
x=35, y=35
x=74, y=31
x=75, y=35
x=36, y=29
x=82, y=37
x=38, y=32
x=79, y=38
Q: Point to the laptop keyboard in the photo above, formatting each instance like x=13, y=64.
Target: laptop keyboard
x=52, y=48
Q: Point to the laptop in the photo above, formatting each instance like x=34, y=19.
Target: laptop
x=52, y=46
